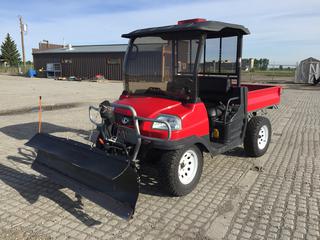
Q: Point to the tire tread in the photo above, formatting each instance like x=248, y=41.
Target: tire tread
x=168, y=165
x=250, y=140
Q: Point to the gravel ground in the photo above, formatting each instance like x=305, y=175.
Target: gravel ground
x=20, y=93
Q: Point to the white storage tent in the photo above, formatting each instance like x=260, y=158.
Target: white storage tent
x=308, y=71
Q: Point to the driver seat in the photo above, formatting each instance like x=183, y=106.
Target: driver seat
x=214, y=92
x=215, y=111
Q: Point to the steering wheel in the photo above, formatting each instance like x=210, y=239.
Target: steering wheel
x=154, y=90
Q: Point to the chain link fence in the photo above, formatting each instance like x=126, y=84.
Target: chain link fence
x=269, y=76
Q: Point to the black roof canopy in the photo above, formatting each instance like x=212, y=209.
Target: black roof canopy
x=211, y=28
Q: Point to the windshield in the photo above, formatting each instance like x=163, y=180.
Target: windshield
x=165, y=68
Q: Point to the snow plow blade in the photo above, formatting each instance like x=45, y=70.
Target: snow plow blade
x=107, y=180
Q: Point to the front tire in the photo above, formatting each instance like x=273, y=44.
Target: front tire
x=258, y=136
x=180, y=170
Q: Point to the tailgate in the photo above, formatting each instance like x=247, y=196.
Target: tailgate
x=262, y=96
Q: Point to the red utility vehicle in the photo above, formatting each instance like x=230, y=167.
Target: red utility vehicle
x=182, y=97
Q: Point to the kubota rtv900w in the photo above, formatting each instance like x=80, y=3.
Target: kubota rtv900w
x=182, y=97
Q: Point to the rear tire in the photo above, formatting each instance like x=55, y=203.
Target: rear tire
x=258, y=136
x=180, y=170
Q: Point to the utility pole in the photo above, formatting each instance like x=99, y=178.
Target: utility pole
x=22, y=30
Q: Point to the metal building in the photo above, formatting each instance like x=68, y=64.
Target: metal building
x=84, y=62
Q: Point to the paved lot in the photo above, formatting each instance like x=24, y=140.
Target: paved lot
x=18, y=93
x=233, y=200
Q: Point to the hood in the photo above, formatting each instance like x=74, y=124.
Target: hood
x=149, y=107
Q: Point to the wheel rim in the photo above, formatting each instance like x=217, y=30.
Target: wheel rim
x=263, y=137
x=188, y=167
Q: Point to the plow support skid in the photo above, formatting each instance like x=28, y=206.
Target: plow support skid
x=108, y=180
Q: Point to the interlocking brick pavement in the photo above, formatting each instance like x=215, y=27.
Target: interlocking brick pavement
x=282, y=202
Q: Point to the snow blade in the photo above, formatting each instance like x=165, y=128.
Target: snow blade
x=106, y=180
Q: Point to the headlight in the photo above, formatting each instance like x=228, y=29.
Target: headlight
x=174, y=122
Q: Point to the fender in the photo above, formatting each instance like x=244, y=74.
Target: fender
x=203, y=141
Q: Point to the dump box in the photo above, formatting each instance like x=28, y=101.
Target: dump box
x=262, y=96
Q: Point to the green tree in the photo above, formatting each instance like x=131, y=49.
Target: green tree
x=9, y=51
x=264, y=64
x=261, y=64
x=256, y=64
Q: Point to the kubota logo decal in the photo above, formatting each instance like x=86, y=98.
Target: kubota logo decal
x=125, y=120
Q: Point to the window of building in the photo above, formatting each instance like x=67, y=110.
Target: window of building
x=113, y=60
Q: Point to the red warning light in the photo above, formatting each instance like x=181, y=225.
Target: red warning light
x=194, y=20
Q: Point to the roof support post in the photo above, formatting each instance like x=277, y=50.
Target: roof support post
x=220, y=54
x=125, y=63
x=196, y=64
x=239, y=58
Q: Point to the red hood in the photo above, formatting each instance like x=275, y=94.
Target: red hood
x=149, y=107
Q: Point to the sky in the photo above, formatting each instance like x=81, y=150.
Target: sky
x=284, y=31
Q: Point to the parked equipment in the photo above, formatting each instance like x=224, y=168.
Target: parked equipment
x=189, y=103
x=53, y=70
